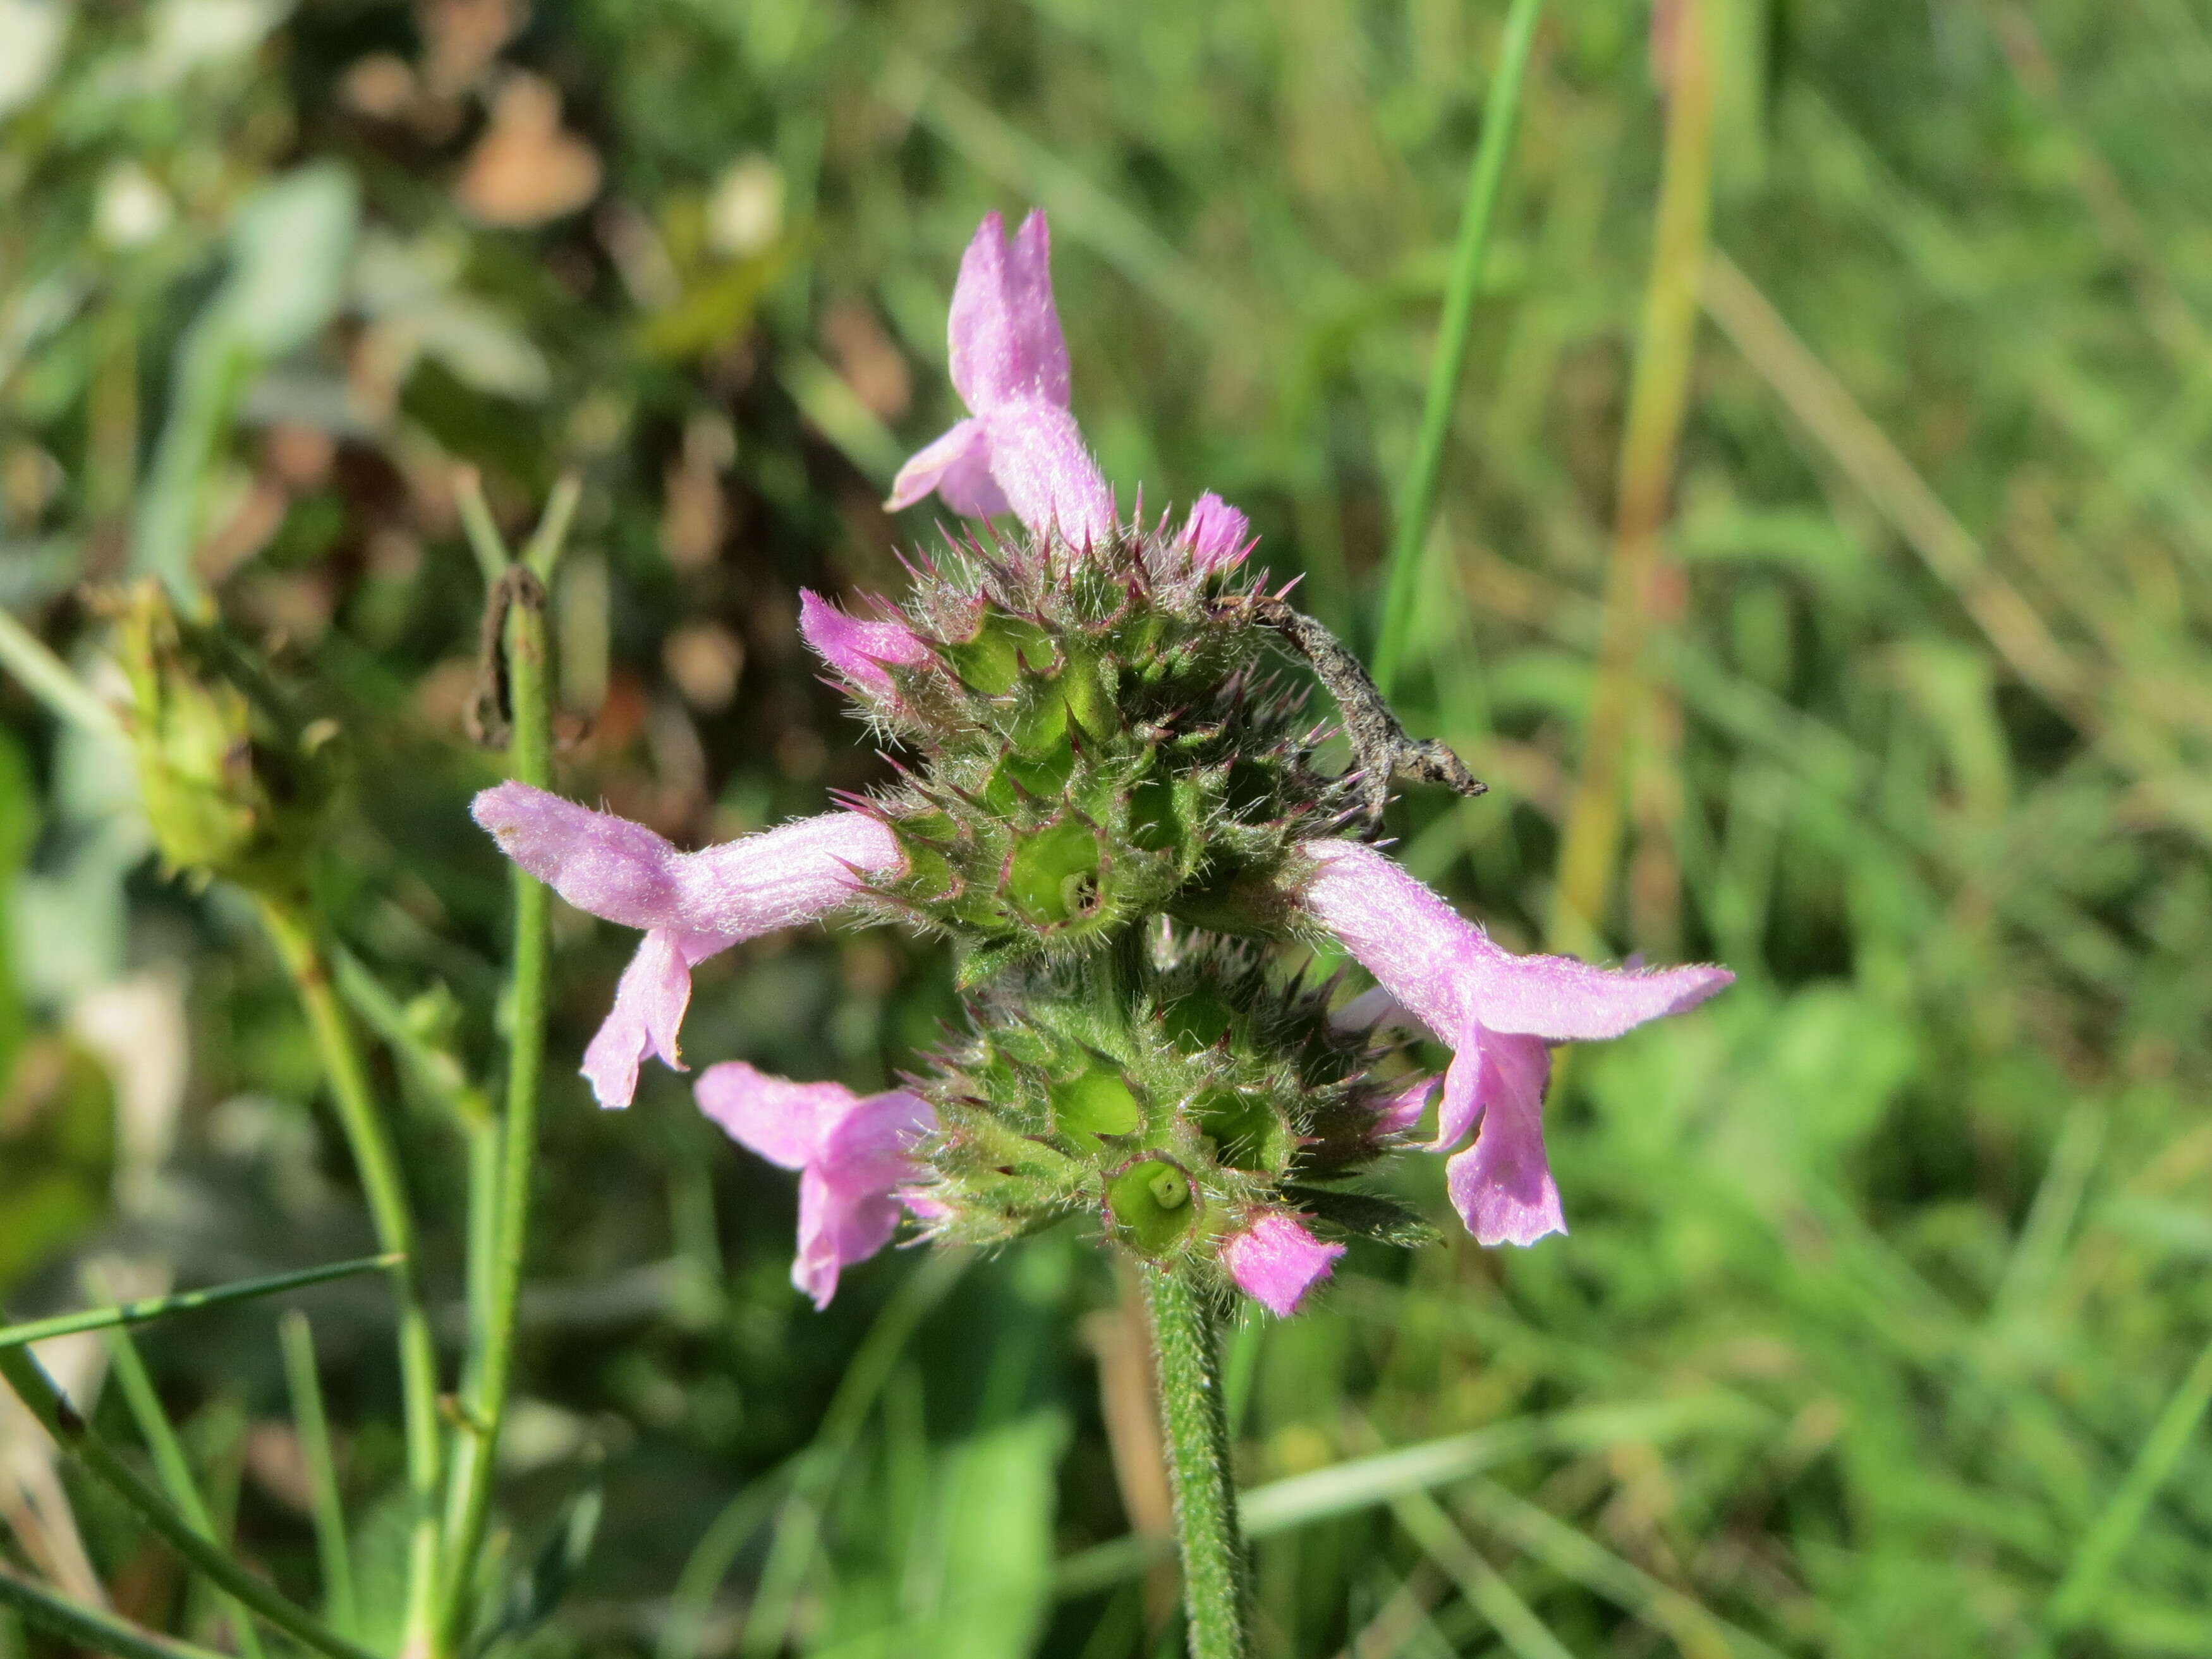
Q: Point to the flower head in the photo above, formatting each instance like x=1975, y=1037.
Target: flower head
x=1020, y=451
x=851, y=1151
x=1498, y=1011
x=1110, y=806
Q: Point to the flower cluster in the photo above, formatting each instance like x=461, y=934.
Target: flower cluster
x=1113, y=811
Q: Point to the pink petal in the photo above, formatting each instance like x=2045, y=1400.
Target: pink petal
x=1501, y=1186
x=1276, y=1261
x=857, y=649
x=787, y=1123
x=597, y=861
x=1004, y=331
x=647, y=1011
x=741, y=888
x=957, y=466
x=869, y=1150
x=836, y=1229
x=1051, y=481
x=1216, y=534
x=1448, y=972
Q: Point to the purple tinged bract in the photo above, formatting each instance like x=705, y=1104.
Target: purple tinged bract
x=1499, y=1013
x=691, y=904
x=852, y=1152
x=1275, y=1261
x=1020, y=451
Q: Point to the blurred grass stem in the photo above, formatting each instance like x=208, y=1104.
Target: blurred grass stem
x=496, y=1286
x=1641, y=589
x=1195, y=1424
x=88, y=1627
x=104, y=1464
x=302, y=949
x=1418, y=507
x=170, y=1462
x=48, y=678
x=312, y=1423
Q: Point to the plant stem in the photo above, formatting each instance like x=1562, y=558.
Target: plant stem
x=333, y=1550
x=496, y=1285
x=89, y=1627
x=1417, y=509
x=105, y=1464
x=170, y=1462
x=1196, y=1429
x=304, y=958
x=1640, y=586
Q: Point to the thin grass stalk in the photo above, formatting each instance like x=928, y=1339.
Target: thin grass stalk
x=1640, y=586
x=92, y=1454
x=496, y=1285
x=333, y=1548
x=88, y=1627
x=2115, y=1528
x=171, y=1463
x=306, y=960
x=1418, y=507
x=156, y=1307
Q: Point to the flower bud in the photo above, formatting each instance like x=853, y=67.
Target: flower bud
x=236, y=781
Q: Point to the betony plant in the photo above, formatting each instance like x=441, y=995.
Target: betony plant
x=1110, y=801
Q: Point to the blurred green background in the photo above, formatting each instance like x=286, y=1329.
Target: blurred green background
x=1883, y=1327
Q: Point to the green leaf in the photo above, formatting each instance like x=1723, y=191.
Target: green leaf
x=134, y=1313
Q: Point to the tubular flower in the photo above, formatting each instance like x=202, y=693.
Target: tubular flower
x=1019, y=450
x=851, y=1151
x=1275, y=1261
x=1111, y=808
x=691, y=904
x=1499, y=1012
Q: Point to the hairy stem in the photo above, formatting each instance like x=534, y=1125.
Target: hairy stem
x=1196, y=1428
x=496, y=1285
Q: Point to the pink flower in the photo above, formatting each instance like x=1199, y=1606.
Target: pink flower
x=857, y=649
x=691, y=904
x=1216, y=534
x=1499, y=1012
x=1020, y=452
x=1275, y=1261
x=851, y=1151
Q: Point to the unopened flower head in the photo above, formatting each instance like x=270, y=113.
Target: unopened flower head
x=1110, y=806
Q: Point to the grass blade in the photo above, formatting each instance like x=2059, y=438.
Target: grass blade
x=332, y=1547
x=134, y=1313
x=170, y=1462
x=2102, y=1545
x=1418, y=507
x=86, y=1627
x=76, y=1437
x=1486, y=1591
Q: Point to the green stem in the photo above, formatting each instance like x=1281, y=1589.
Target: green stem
x=105, y=1464
x=170, y=1461
x=496, y=1286
x=1196, y=1429
x=89, y=1627
x=1418, y=509
x=333, y=1550
x=305, y=958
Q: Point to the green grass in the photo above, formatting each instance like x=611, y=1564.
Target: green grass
x=1886, y=1283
